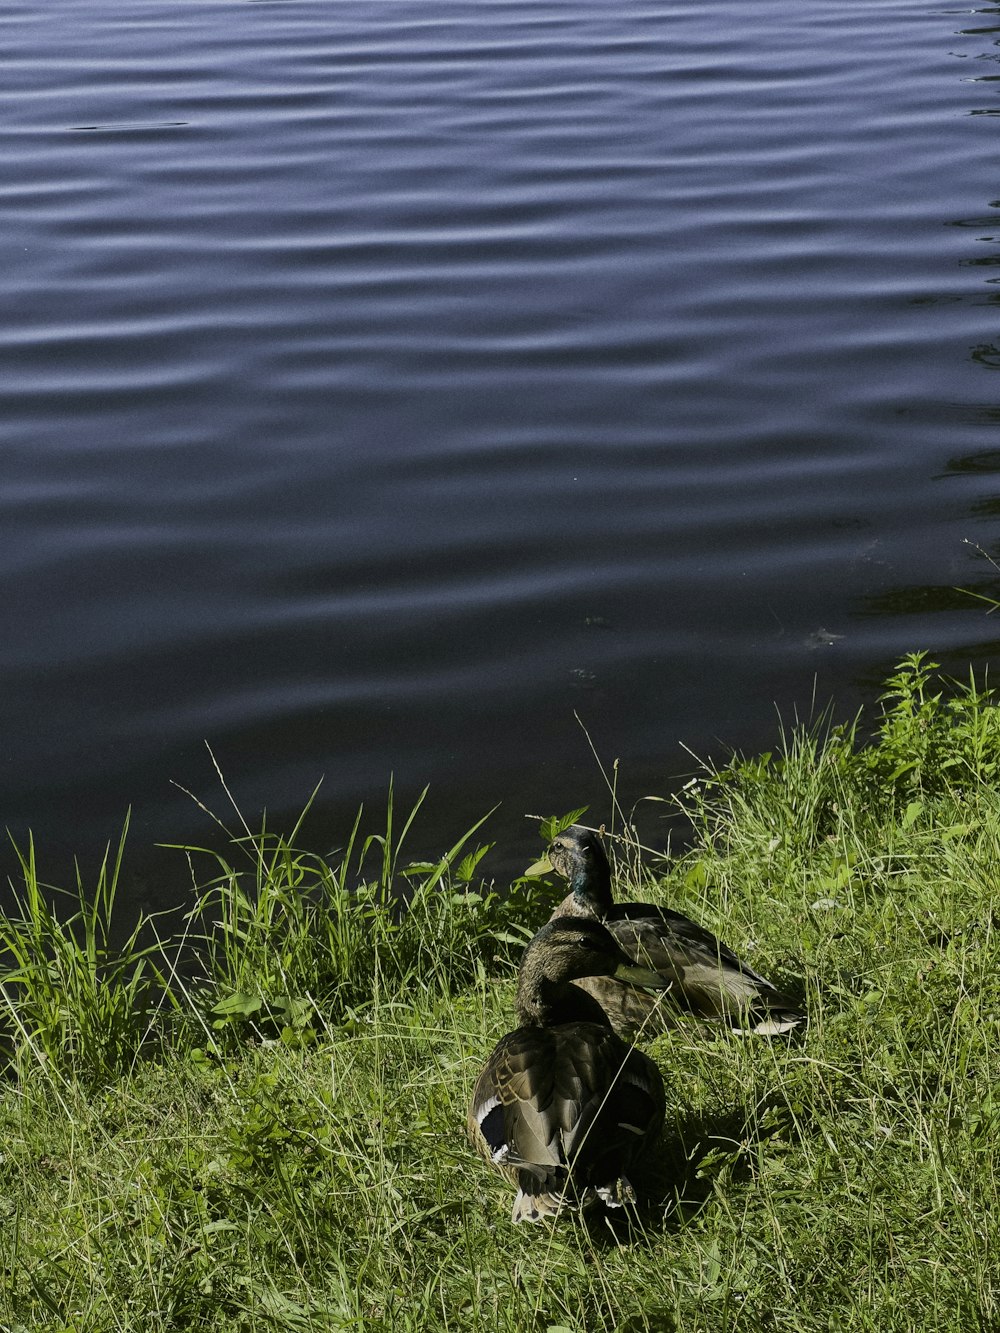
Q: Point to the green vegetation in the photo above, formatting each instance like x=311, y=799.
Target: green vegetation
x=254, y=1120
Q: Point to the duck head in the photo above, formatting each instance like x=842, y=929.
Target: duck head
x=578, y=855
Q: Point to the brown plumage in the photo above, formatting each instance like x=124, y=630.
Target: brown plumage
x=564, y=1107
x=708, y=979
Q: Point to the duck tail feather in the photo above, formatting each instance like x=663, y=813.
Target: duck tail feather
x=536, y=1207
x=772, y=1023
x=617, y=1193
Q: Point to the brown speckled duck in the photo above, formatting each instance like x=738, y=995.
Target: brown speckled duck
x=708, y=979
x=564, y=1107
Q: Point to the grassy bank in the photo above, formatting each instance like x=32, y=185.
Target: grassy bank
x=252, y=1118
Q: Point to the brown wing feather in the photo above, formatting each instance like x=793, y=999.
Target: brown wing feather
x=709, y=979
x=572, y=1096
x=630, y=1009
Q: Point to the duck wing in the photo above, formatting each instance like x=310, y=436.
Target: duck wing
x=673, y=940
x=632, y=1011
x=709, y=978
x=570, y=1099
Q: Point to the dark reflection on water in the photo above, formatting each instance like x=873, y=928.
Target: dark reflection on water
x=907, y=601
x=384, y=385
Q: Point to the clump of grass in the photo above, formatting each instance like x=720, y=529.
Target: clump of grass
x=288, y=941
x=279, y=942
x=243, y=1172
x=72, y=1001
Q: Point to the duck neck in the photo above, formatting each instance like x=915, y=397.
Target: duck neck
x=543, y=1002
x=591, y=889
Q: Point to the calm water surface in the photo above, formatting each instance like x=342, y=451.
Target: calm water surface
x=383, y=382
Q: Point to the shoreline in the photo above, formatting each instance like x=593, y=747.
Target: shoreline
x=273, y=1138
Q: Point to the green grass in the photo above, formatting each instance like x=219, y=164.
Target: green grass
x=253, y=1119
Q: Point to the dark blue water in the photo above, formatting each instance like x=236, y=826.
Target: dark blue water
x=383, y=382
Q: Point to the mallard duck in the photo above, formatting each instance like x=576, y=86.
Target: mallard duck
x=709, y=980
x=564, y=1107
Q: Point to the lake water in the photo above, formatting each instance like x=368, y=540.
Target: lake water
x=385, y=383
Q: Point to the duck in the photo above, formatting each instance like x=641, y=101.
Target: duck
x=564, y=1107
x=709, y=980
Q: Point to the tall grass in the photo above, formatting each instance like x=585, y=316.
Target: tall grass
x=70, y=999
x=231, y=1161
x=278, y=943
